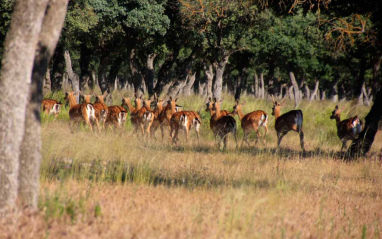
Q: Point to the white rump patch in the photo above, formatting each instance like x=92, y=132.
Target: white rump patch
x=183, y=120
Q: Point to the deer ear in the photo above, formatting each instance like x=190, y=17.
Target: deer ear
x=171, y=98
x=336, y=107
x=215, y=99
x=176, y=99
x=209, y=98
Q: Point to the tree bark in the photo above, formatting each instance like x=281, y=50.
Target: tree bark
x=297, y=97
x=189, y=84
x=209, y=72
x=256, y=87
x=307, y=91
x=58, y=69
x=31, y=146
x=335, y=92
x=85, y=77
x=315, y=91
x=73, y=77
x=47, y=85
x=136, y=74
x=150, y=73
x=102, y=79
x=218, y=83
x=262, y=86
x=15, y=76
x=365, y=140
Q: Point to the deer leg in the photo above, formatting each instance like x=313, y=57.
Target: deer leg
x=245, y=139
x=302, y=141
x=343, y=145
x=280, y=137
x=265, y=134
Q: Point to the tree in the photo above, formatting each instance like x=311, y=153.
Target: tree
x=32, y=28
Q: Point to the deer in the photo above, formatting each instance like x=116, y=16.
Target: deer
x=165, y=116
x=116, y=117
x=251, y=121
x=286, y=122
x=347, y=129
x=141, y=113
x=213, y=119
x=224, y=125
x=50, y=106
x=101, y=110
x=80, y=112
x=133, y=110
x=150, y=118
x=185, y=120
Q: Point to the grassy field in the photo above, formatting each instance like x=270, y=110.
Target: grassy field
x=121, y=186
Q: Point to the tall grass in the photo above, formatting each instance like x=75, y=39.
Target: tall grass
x=111, y=185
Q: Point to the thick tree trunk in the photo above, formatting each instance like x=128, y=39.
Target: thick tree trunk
x=102, y=78
x=315, y=91
x=164, y=74
x=73, y=77
x=114, y=69
x=85, y=77
x=58, y=69
x=256, y=85
x=365, y=140
x=15, y=77
x=209, y=72
x=307, y=91
x=136, y=74
x=47, y=85
x=219, y=72
x=335, y=92
x=297, y=97
x=262, y=86
x=150, y=73
x=189, y=84
x=31, y=145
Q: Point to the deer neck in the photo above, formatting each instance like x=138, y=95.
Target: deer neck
x=173, y=108
x=72, y=101
x=277, y=113
x=129, y=105
x=338, y=119
x=217, y=111
x=240, y=114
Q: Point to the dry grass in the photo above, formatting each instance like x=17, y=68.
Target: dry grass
x=111, y=186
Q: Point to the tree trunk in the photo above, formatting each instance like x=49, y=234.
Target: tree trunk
x=297, y=97
x=307, y=91
x=136, y=74
x=31, y=146
x=323, y=97
x=102, y=78
x=315, y=91
x=365, y=140
x=114, y=69
x=190, y=83
x=262, y=86
x=150, y=73
x=58, y=69
x=210, y=77
x=360, y=80
x=47, y=85
x=335, y=92
x=256, y=87
x=218, y=84
x=85, y=56
x=15, y=76
x=73, y=77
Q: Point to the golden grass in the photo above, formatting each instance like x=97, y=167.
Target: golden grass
x=111, y=186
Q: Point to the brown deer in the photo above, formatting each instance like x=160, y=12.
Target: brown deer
x=50, y=106
x=224, y=125
x=133, y=110
x=165, y=116
x=291, y=120
x=213, y=119
x=116, y=117
x=140, y=114
x=185, y=120
x=251, y=121
x=150, y=118
x=101, y=110
x=347, y=129
x=80, y=112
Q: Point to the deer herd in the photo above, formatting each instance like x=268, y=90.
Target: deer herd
x=148, y=115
